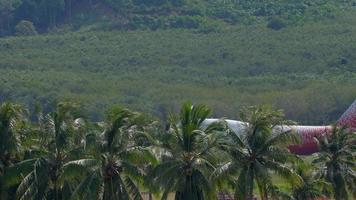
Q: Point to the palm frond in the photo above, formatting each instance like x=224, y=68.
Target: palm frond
x=26, y=187
x=225, y=172
x=284, y=172
x=282, y=139
x=241, y=185
x=132, y=189
x=133, y=171
x=15, y=173
x=90, y=188
x=76, y=169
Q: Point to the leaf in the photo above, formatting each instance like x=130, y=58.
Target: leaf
x=78, y=168
x=15, y=173
x=132, y=189
x=90, y=188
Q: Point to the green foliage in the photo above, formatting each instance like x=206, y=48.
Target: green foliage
x=337, y=160
x=118, y=161
x=48, y=177
x=129, y=153
x=25, y=28
x=7, y=8
x=43, y=13
x=155, y=70
x=314, y=186
x=211, y=26
x=189, y=155
x=256, y=152
x=154, y=14
x=276, y=23
x=12, y=118
x=185, y=22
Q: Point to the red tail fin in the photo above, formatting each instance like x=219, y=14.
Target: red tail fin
x=349, y=117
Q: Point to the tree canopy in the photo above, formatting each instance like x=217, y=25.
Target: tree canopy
x=64, y=155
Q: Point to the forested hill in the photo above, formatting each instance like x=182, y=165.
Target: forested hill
x=152, y=55
x=49, y=15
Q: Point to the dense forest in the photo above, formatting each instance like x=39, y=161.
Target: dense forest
x=91, y=96
x=156, y=14
x=308, y=70
x=63, y=155
x=151, y=55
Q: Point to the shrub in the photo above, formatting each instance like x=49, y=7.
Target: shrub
x=344, y=61
x=145, y=22
x=211, y=26
x=24, y=28
x=276, y=23
x=189, y=22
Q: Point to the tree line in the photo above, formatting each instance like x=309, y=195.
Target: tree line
x=44, y=15
x=63, y=155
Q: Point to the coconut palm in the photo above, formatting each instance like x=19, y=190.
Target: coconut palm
x=12, y=126
x=188, y=155
x=313, y=185
x=259, y=149
x=12, y=118
x=43, y=172
x=116, y=171
x=337, y=161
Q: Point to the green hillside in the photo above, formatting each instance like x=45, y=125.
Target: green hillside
x=87, y=86
x=51, y=15
x=309, y=70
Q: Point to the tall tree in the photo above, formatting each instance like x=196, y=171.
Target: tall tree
x=12, y=124
x=313, y=185
x=116, y=170
x=337, y=160
x=43, y=13
x=260, y=148
x=12, y=119
x=7, y=8
x=44, y=172
x=189, y=155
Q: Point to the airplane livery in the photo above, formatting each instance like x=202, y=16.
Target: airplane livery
x=307, y=133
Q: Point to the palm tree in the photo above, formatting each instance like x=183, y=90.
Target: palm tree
x=116, y=171
x=12, y=124
x=12, y=118
x=188, y=155
x=259, y=149
x=313, y=185
x=43, y=174
x=336, y=158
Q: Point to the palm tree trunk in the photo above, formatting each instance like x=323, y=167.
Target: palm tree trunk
x=250, y=183
x=3, y=193
x=191, y=191
x=55, y=190
x=56, y=171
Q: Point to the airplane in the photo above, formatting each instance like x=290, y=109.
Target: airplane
x=308, y=144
